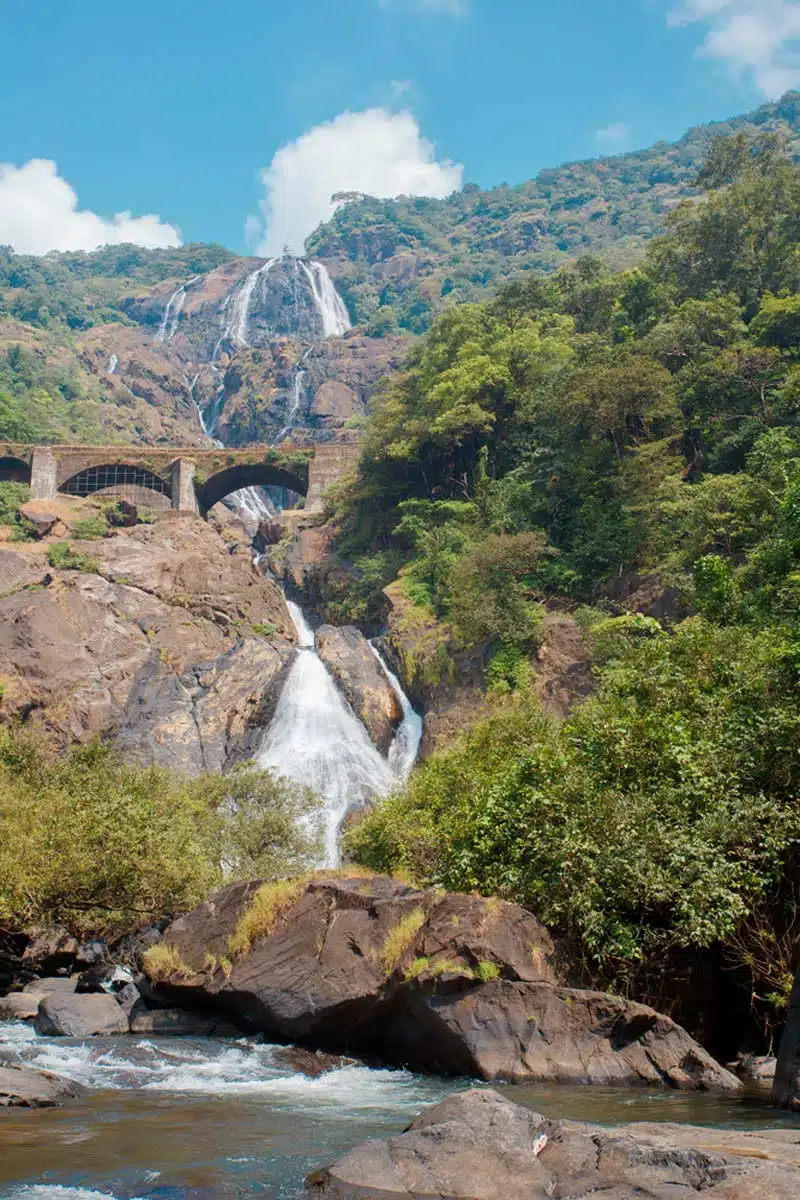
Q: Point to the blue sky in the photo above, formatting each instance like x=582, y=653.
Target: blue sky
x=176, y=108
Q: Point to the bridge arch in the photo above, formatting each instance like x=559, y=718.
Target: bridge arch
x=14, y=470
x=132, y=482
x=246, y=475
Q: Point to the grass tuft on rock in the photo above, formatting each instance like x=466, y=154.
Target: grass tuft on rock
x=398, y=940
x=263, y=912
x=163, y=962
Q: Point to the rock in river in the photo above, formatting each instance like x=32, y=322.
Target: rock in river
x=786, y=1088
x=21, y=1087
x=480, y=1146
x=347, y=655
x=439, y=982
x=81, y=1016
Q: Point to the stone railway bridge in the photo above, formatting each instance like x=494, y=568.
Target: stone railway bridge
x=187, y=479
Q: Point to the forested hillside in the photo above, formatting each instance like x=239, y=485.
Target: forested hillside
x=559, y=444
x=400, y=261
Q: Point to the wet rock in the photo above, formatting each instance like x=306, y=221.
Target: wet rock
x=758, y=1069
x=347, y=655
x=179, y=1022
x=786, y=1088
x=21, y=1087
x=448, y=983
x=51, y=948
x=61, y=985
x=20, y=1006
x=80, y=1016
x=103, y=978
x=480, y=1146
x=311, y=1063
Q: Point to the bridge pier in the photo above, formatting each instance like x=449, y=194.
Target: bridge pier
x=44, y=473
x=184, y=497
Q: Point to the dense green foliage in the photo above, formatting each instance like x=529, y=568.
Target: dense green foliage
x=664, y=813
x=76, y=290
x=459, y=249
x=101, y=845
x=573, y=433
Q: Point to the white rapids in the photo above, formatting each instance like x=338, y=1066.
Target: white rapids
x=317, y=740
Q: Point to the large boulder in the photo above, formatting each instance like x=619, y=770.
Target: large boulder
x=347, y=655
x=81, y=1016
x=20, y=1006
x=532, y=1031
x=786, y=1088
x=480, y=1146
x=50, y=948
x=21, y=1087
x=450, y=983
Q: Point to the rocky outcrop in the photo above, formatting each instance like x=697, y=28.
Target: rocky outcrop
x=347, y=655
x=171, y=646
x=81, y=1016
x=20, y=1087
x=480, y=1146
x=451, y=983
x=786, y=1087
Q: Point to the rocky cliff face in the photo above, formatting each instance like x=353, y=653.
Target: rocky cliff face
x=166, y=643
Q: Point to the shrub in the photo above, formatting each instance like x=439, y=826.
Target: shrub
x=658, y=815
x=12, y=495
x=63, y=557
x=89, y=528
x=162, y=961
x=265, y=629
x=96, y=844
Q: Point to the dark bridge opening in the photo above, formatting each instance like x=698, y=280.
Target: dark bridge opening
x=14, y=470
x=118, y=478
x=233, y=479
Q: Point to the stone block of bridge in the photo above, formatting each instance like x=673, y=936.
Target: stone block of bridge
x=44, y=473
x=331, y=461
x=184, y=496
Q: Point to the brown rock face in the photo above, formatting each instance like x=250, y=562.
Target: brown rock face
x=21, y=1087
x=450, y=983
x=786, y=1088
x=480, y=1146
x=347, y=655
x=158, y=651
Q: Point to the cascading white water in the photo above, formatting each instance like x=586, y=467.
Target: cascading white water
x=404, y=750
x=330, y=305
x=240, y=305
x=113, y=363
x=172, y=313
x=316, y=740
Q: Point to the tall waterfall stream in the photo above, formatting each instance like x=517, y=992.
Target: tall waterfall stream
x=318, y=741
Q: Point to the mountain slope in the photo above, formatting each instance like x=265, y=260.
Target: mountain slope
x=412, y=256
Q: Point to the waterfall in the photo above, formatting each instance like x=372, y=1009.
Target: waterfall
x=248, y=502
x=240, y=308
x=404, y=749
x=330, y=305
x=169, y=322
x=113, y=363
x=317, y=740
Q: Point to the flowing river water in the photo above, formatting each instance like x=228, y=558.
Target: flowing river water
x=185, y=1119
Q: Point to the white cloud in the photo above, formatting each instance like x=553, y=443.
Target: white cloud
x=759, y=39
x=375, y=152
x=39, y=212
x=613, y=137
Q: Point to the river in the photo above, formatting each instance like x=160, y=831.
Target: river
x=185, y=1119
